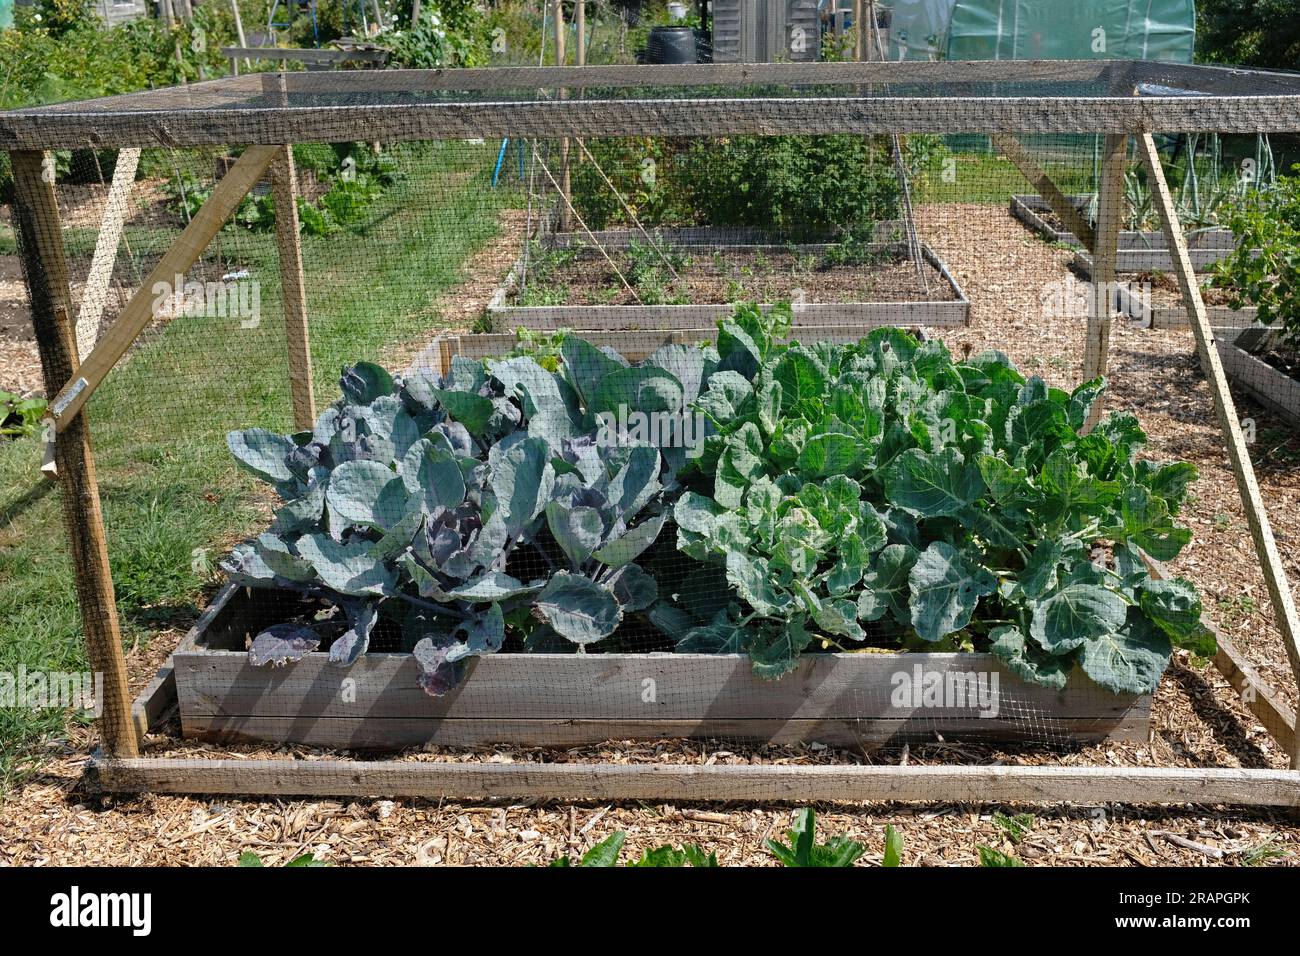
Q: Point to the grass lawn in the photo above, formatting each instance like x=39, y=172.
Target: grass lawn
x=991, y=179
x=173, y=502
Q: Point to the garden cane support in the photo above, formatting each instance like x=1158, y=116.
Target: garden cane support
x=284, y=184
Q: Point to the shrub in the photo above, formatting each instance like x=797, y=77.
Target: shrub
x=449, y=33
x=803, y=187
x=1264, y=269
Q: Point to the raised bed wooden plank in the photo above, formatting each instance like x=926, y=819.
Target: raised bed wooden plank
x=857, y=316
x=1031, y=209
x=391, y=734
x=881, y=694
x=1145, y=315
x=629, y=686
x=1150, y=260
x=155, y=701
x=1271, y=387
x=633, y=344
x=725, y=782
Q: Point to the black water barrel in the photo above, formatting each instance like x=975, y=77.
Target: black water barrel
x=671, y=45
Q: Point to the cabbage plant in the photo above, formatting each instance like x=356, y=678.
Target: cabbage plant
x=884, y=489
x=460, y=511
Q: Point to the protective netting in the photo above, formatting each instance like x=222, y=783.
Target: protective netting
x=562, y=439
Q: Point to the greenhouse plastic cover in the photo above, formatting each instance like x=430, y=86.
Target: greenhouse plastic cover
x=1043, y=29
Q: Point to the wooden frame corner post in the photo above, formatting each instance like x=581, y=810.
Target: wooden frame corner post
x=1275, y=579
x=1105, y=252
x=284, y=187
x=45, y=266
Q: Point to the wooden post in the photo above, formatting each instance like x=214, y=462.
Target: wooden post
x=859, y=30
x=284, y=186
x=1105, y=250
x=40, y=239
x=177, y=260
x=580, y=34
x=1279, y=589
x=563, y=221
x=243, y=41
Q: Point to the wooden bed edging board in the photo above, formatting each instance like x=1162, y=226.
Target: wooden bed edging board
x=1138, y=251
x=848, y=316
x=849, y=700
x=633, y=345
x=1146, y=316
x=1271, y=387
x=753, y=783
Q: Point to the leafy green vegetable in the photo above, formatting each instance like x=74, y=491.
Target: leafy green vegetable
x=20, y=416
x=607, y=852
x=1016, y=827
x=425, y=508
x=884, y=489
x=874, y=492
x=893, y=847
x=992, y=857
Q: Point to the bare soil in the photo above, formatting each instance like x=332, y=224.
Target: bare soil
x=1165, y=293
x=733, y=275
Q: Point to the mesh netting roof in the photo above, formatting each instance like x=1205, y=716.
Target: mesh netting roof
x=1058, y=96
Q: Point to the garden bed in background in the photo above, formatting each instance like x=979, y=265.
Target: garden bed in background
x=1153, y=301
x=687, y=279
x=1138, y=251
x=1256, y=360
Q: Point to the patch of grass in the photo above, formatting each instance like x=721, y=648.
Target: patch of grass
x=990, y=179
x=173, y=502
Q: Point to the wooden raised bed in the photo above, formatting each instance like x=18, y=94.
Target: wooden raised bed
x=565, y=700
x=1148, y=315
x=1138, y=251
x=856, y=317
x=1269, y=386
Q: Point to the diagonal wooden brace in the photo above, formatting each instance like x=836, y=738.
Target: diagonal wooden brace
x=1065, y=210
x=177, y=260
x=1279, y=589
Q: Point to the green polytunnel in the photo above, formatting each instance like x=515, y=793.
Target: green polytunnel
x=1043, y=29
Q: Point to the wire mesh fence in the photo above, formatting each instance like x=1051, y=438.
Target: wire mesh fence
x=571, y=430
